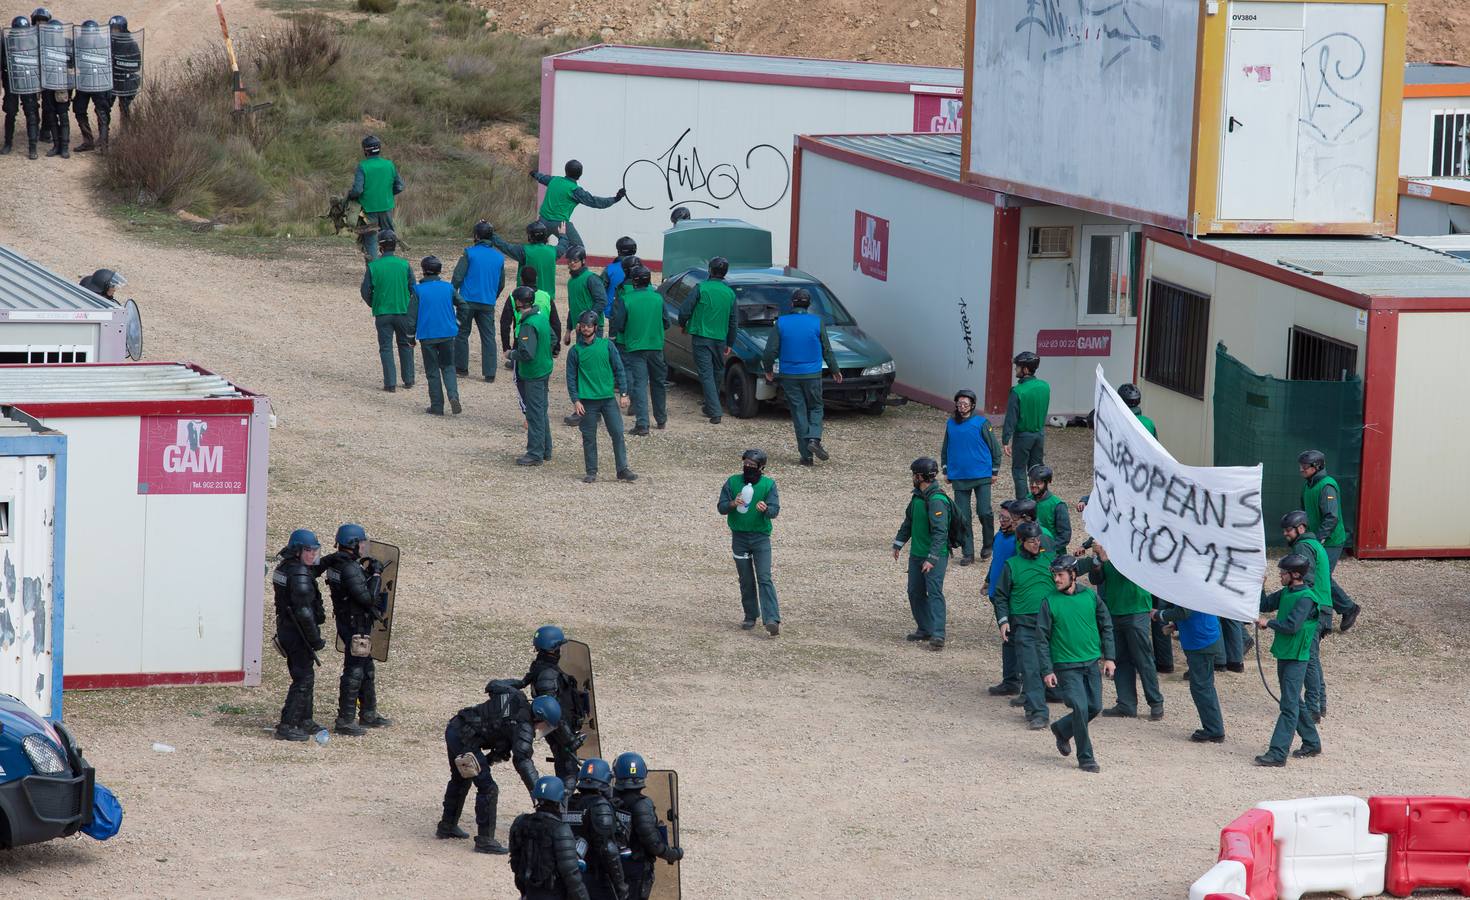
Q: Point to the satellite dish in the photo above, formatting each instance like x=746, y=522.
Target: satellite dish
x=133, y=330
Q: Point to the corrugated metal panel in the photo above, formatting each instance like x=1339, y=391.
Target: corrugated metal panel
x=936, y=154
x=26, y=285
x=1435, y=73
x=1375, y=266
x=56, y=384
x=660, y=57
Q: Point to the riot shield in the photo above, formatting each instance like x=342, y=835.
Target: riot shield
x=23, y=60
x=56, y=49
x=127, y=63
x=94, y=59
x=386, y=556
x=663, y=789
x=132, y=330
x=576, y=661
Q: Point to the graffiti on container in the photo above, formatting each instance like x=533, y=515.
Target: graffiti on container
x=1110, y=21
x=968, y=334
x=1329, y=66
x=759, y=179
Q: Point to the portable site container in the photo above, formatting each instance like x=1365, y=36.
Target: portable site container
x=32, y=561
x=1387, y=311
x=1435, y=134
x=47, y=319
x=1218, y=116
x=955, y=279
x=166, y=504
x=1430, y=206
x=713, y=131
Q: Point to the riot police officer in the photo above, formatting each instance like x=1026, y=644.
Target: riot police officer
x=94, y=84
x=127, y=64
x=645, y=843
x=20, y=70
x=506, y=724
x=57, y=81
x=546, y=679
x=351, y=579
x=299, y=617
x=543, y=851
x=594, y=821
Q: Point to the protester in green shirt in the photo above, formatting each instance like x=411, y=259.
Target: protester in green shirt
x=637, y=326
x=1074, y=634
x=708, y=317
x=749, y=517
x=1023, y=436
x=563, y=196
x=925, y=529
x=1024, y=581
x=1130, y=608
x=532, y=358
x=1133, y=398
x=535, y=253
x=374, y=185
x=1295, y=626
x=388, y=287
x=1301, y=541
x=594, y=376
x=1322, y=500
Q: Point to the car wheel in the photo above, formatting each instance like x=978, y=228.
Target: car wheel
x=740, y=392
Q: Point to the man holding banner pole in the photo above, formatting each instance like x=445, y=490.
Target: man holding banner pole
x=1130, y=608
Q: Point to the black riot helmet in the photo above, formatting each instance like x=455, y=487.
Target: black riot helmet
x=484, y=231
x=20, y=22
x=1042, y=474
x=1025, y=508
x=588, y=317
x=756, y=456
x=91, y=23
x=537, y=232
x=523, y=296
x=371, y=145
x=1314, y=458
x=1131, y=395
x=118, y=23
x=40, y=14
x=577, y=253
x=573, y=168
x=388, y=239
x=431, y=265
x=680, y=214
x=626, y=246
x=1296, y=564
x=1027, y=360
x=719, y=267
x=801, y=298
x=629, y=263
x=1026, y=531
x=925, y=467
x=966, y=392
x=1297, y=518
x=1064, y=563
x=640, y=276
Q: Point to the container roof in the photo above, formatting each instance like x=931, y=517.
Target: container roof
x=771, y=66
x=26, y=285
x=1436, y=73
x=934, y=154
x=20, y=385
x=1371, y=266
x=1457, y=245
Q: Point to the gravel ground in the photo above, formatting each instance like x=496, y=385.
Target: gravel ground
x=833, y=761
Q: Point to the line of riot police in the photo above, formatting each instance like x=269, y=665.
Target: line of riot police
x=52, y=70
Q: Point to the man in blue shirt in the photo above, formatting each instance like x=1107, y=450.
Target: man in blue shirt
x=1199, y=635
x=970, y=457
x=479, y=276
x=1003, y=548
x=617, y=270
x=438, y=324
x=800, y=342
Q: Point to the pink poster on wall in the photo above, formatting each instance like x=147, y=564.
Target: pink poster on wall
x=1074, y=342
x=937, y=113
x=193, y=455
x=870, y=245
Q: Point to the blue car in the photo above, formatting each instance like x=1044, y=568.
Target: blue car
x=45, y=784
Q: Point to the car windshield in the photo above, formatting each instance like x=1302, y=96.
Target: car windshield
x=760, y=304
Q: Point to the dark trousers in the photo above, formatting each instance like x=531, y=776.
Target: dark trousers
x=804, y=399
x=709, y=362
x=13, y=103
x=1135, y=662
x=926, y=596
x=1033, y=692
x=963, y=490
x=487, y=792
x=1202, y=688
x=439, y=366
x=481, y=316
x=395, y=329
x=1081, y=690
x=606, y=411
x=647, y=372
x=299, y=696
x=1315, y=685
x=1010, y=665
x=1163, y=646
x=1028, y=448
x=538, y=426
x=1341, y=602
x=752, y=552
x=102, y=104
x=570, y=236
x=56, y=115
x=1232, y=636
x=376, y=222
x=1294, y=718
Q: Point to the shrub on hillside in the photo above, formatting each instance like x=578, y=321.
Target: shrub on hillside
x=377, y=6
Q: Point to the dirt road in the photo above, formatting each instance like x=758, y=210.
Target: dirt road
x=835, y=761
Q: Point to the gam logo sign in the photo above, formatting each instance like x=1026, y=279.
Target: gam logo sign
x=870, y=245
x=200, y=455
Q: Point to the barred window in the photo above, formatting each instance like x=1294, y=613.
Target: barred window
x=1317, y=357
x=1176, y=344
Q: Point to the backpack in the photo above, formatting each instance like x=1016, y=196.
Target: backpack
x=532, y=856
x=956, y=531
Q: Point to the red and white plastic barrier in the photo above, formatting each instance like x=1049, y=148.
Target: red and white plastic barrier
x=1283, y=849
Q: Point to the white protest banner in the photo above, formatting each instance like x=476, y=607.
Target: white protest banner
x=1191, y=535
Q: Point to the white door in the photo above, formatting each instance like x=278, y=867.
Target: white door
x=1258, y=144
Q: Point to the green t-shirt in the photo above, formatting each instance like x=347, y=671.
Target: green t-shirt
x=1294, y=646
x=1031, y=582
x=542, y=258
x=594, y=369
x=1312, y=503
x=377, y=184
x=644, y=328
x=557, y=205
x=711, y=317
x=539, y=366
x=1123, y=597
x=579, y=299
x=391, y=276
x=1147, y=423
x=1074, y=635
x=752, y=520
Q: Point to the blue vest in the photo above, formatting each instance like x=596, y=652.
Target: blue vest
x=482, y=278
x=436, y=310
x=1199, y=631
x=615, y=277
x=1003, y=549
x=968, y=451
x=801, y=343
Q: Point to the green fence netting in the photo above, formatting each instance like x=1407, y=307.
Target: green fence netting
x=1263, y=419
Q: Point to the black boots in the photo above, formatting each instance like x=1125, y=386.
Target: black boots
x=347, y=692
x=88, y=143
x=369, y=717
x=32, y=132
